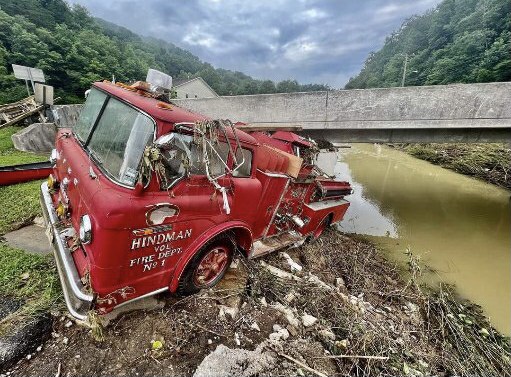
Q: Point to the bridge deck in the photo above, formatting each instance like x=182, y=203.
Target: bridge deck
x=442, y=113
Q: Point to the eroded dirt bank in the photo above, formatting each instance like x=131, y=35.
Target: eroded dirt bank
x=348, y=302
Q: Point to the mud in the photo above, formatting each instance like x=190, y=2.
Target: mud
x=348, y=312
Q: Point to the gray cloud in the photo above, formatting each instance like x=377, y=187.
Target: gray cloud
x=320, y=41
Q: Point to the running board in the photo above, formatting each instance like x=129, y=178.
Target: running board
x=265, y=246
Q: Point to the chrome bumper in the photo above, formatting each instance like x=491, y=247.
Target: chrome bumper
x=78, y=303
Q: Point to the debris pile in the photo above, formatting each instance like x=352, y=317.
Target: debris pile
x=346, y=311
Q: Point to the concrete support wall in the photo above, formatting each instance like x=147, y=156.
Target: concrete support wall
x=443, y=113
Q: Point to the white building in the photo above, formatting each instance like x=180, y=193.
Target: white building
x=192, y=88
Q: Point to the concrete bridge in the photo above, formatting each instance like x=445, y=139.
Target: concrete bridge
x=463, y=113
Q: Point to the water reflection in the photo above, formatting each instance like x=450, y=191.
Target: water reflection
x=459, y=226
x=364, y=216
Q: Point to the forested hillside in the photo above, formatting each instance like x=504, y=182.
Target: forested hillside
x=460, y=41
x=75, y=49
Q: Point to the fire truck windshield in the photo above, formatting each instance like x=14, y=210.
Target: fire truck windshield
x=117, y=139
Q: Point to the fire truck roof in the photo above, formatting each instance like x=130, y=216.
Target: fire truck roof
x=166, y=113
x=291, y=137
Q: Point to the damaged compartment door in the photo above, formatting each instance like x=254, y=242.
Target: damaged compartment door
x=274, y=187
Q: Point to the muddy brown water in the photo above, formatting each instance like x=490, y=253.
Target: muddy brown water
x=458, y=226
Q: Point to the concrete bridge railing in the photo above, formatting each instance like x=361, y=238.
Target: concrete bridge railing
x=442, y=113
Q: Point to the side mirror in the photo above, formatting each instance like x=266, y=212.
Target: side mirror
x=165, y=141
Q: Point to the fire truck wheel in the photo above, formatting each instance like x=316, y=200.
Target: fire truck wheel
x=207, y=267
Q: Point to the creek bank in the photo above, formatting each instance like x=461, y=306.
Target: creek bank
x=489, y=162
x=349, y=311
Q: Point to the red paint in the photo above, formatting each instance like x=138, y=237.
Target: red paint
x=128, y=257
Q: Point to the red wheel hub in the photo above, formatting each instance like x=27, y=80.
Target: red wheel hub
x=211, y=266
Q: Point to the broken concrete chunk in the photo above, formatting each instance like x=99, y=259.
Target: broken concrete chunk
x=288, y=312
x=290, y=297
x=236, y=362
x=280, y=273
x=281, y=334
x=308, y=320
x=292, y=264
x=255, y=326
x=263, y=302
x=320, y=283
x=227, y=311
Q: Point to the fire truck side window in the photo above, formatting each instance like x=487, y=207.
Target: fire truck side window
x=244, y=170
x=89, y=114
x=181, y=153
x=217, y=161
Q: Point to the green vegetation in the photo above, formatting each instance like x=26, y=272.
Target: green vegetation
x=11, y=156
x=489, y=162
x=19, y=203
x=460, y=41
x=75, y=49
x=29, y=277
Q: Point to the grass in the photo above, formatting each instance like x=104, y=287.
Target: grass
x=11, y=156
x=29, y=277
x=19, y=203
x=489, y=162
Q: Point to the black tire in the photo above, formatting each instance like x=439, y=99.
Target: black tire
x=188, y=283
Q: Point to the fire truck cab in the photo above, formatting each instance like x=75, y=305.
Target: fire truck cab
x=147, y=197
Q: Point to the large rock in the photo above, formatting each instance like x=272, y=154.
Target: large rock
x=65, y=116
x=24, y=338
x=37, y=138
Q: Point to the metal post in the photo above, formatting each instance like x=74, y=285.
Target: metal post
x=404, y=71
x=31, y=80
x=28, y=90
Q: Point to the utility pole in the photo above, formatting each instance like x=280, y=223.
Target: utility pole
x=404, y=71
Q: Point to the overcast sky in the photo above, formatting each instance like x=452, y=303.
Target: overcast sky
x=318, y=41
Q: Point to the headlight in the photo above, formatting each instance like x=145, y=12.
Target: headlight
x=85, y=229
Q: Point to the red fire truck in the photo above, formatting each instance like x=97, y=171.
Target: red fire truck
x=147, y=197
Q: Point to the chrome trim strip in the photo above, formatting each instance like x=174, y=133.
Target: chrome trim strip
x=326, y=204
x=275, y=175
x=78, y=303
x=141, y=297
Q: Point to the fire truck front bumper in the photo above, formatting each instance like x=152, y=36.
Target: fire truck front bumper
x=78, y=302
